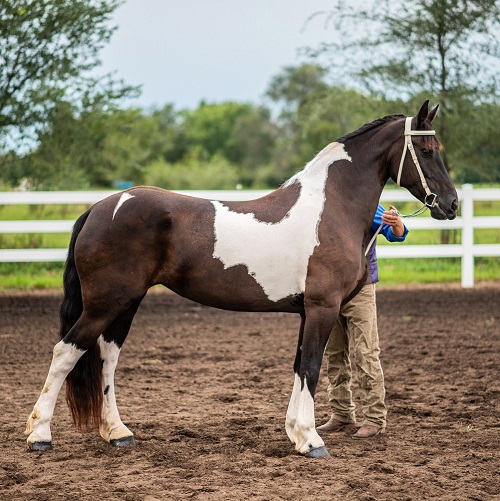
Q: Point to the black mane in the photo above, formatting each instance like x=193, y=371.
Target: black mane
x=369, y=126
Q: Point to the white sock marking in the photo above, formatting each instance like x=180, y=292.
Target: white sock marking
x=300, y=423
x=111, y=427
x=64, y=359
x=291, y=413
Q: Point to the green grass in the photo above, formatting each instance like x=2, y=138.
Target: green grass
x=392, y=271
x=441, y=270
x=435, y=270
x=26, y=276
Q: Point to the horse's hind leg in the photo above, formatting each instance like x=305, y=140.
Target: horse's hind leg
x=38, y=426
x=65, y=356
x=111, y=427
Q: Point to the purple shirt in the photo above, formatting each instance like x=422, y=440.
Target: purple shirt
x=386, y=230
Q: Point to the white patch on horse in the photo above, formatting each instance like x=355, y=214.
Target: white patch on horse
x=300, y=423
x=123, y=199
x=277, y=254
x=291, y=413
x=64, y=359
x=111, y=426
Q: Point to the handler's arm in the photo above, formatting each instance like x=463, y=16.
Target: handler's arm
x=394, y=221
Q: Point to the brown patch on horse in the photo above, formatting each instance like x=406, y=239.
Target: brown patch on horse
x=266, y=209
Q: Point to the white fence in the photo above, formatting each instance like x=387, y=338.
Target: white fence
x=467, y=223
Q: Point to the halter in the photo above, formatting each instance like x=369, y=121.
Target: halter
x=408, y=144
x=430, y=199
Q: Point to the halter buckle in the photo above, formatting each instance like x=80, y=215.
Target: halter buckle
x=434, y=202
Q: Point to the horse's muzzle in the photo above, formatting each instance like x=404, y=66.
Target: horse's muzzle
x=441, y=212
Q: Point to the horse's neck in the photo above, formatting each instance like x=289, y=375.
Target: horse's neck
x=353, y=188
x=355, y=182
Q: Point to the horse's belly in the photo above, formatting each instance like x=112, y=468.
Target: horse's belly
x=234, y=288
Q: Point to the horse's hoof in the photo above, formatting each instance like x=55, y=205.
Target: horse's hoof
x=40, y=446
x=318, y=452
x=123, y=442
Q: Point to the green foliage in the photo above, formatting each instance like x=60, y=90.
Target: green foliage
x=314, y=114
x=209, y=127
x=337, y=112
x=295, y=85
x=47, y=50
x=412, y=46
x=91, y=149
x=193, y=173
x=472, y=147
x=447, y=50
x=95, y=148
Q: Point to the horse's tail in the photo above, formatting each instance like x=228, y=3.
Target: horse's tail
x=84, y=382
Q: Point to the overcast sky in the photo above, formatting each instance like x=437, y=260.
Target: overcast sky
x=185, y=51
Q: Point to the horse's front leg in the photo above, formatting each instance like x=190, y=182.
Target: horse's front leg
x=300, y=421
x=291, y=413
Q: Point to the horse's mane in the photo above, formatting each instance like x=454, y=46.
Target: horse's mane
x=364, y=128
x=369, y=126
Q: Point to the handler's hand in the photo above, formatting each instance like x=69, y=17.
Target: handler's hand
x=394, y=221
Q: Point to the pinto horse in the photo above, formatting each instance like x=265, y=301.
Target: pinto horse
x=300, y=249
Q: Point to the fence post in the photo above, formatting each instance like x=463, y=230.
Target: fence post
x=467, y=236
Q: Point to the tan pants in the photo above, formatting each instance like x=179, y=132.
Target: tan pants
x=356, y=328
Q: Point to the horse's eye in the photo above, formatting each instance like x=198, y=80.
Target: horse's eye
x=427, y=153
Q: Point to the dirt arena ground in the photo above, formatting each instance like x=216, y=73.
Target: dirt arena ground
x=206, y=392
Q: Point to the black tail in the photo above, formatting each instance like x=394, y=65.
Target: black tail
x=84, y=382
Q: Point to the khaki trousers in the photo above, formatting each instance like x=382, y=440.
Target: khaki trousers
x=356, y=329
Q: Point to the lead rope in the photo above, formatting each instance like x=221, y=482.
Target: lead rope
x=409, y=145
x=413, y=214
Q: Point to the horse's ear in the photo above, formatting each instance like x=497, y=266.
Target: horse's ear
x=432, y=114
x=422, y=114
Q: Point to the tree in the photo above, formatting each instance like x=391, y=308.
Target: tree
x=82, y=150
x=252, y=142
x=293, y=87
x=292, y=90
x=209, y=127
x=447, y=49
x=47, y=50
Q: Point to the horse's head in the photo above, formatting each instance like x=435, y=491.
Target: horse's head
x=417, y=165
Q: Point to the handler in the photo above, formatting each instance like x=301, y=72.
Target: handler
x=357, y=327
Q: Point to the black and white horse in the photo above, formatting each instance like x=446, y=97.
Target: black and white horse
x=299, y=249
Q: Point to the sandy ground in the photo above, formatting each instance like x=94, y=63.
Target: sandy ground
x=206, y=391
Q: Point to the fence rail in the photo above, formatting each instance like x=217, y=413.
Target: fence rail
x=467, y=223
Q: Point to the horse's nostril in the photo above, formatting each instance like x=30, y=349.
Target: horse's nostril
x=454, y=205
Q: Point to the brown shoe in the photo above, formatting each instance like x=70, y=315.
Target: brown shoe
x=334, y=425
x=368, y=431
